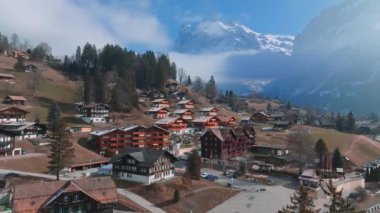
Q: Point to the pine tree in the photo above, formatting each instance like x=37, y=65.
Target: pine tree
x=300, y=202
x=350, y=123
x=188, y=82
x=337, y=159
x=321, y=149
x=211, y=89
x=194, y=165
x=337, y=203
x=61, y=151
x=53, y=117
x=269, y=107
x=288, y=106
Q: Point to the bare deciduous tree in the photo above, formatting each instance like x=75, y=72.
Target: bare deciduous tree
x=181, y=75
x=301, y=145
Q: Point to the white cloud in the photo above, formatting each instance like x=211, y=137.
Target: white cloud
x=205, y=65
x=66, y=24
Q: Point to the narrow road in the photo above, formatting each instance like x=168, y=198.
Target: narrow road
x=51, y=177
x=140, y=200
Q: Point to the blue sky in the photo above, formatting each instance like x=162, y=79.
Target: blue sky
x=144, y=24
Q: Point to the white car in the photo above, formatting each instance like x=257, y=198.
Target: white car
x=204, y=174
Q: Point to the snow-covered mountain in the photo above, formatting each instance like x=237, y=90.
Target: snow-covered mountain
x=215, y=36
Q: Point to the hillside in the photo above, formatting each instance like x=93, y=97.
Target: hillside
x=51, y=86
x=359, y=149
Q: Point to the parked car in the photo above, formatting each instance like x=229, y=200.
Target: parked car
x=211, y=177
x=204, y=174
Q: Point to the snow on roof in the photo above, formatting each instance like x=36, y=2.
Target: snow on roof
x=203, y=119
x=102, y=132
x=181, y=111
x=17, y=98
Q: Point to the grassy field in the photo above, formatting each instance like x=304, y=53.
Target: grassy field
x=359, y=149
x=52, y=86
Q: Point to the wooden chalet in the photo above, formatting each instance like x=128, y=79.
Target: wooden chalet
x=7, y=143
x=16, y=100
x=12, y=114
x=227, y=121
x=261, y=117
x=204, y=122
x=95, y=113
x=209, y=111
x=7, y=77
x=158, y=112
x=24, y=130
x=184, y=113
x=143, y=165
x=112, y=141
x=180, y=95
x=97, y=194
x=30, y=68
x=246, y=121
x=173, y=124
x=160, y=103
x=281, y=125
x=186, y=104
x=224, y=143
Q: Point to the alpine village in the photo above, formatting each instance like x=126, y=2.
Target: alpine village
x=112, y=130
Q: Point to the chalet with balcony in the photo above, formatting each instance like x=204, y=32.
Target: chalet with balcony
x=205, y=122
x=7, y=143
x=186, y=104
x=12, y=114
x=209, y=111
x=143, y=165
x=227, y=121
x=13, y=99
x=96, y=194
x=158, y=112
x=173, y=124
x=24, y=130
x=95, y=113
x=7, y=77
x=186, y=114
x=261, y=117
x=160, y=103
x=224, y=143
x=112, y=141
x=179, y=95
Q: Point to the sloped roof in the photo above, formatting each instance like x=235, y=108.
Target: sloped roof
x=156, y=109
x=220, y=133
x=16, y=98
x=203, y=119
x=32, y=196
x=7, y=75
x=208, y=109
x=144, y=157
x=92, y=105
x=8, y=108
x=168, y=120
x=183, y=102
x=181, y=111
x=158, y=100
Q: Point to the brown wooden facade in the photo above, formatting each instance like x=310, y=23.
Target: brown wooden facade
x=209, y=111
x=12, y=114
x=158, y=113
x=261, y=117
x=110, y=142
x=16, y=100
x=186, y=104
x=173, y=124
x=185, y=114
x=227, y=121
x=226, y=143
x=205, y=122
x=160, y=103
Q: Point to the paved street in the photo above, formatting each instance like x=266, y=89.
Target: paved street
x=251, y=199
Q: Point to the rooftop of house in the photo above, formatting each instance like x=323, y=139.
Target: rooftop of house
x=203, y=119
x=92, y=105
x=144, y=157
x=208, y=109
x=181, y=111
x=183, y=102
x=124, y=129
x=367, y=202
x=156, y=109
x=32, y=196
x=16, y=98
x=168, y=120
